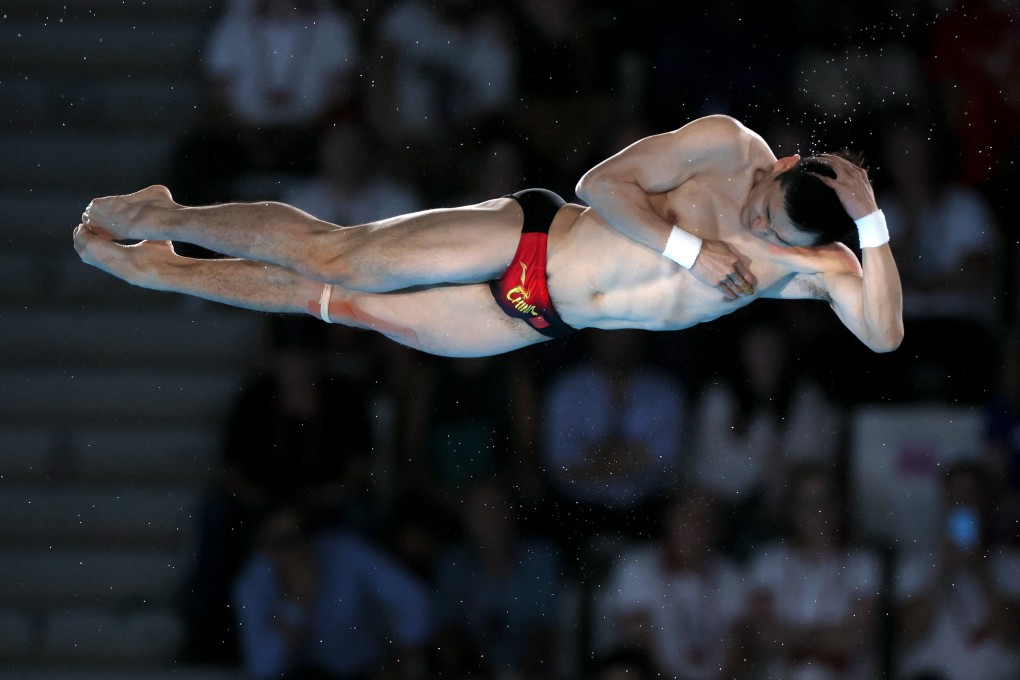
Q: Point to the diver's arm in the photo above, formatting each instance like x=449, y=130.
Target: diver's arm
x=870, y=303
x=618, y=188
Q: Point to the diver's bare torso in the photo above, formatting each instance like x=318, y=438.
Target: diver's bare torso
x=599, y=278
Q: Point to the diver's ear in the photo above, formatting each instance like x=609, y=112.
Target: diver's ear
x=784, y=164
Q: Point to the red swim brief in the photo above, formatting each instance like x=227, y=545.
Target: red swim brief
x=522, y=292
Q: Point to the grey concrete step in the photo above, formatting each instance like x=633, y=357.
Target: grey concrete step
x=210, y=336
x=106, y=672
x=174, y=455
x=167, y=456
x=17, y=633
x=27, y=453
x=128, y=395
x=86, y=636
x=44, y=514
x=47, y=577
x=167, y=103
x=41, y=219
x=45, y=671
x=86, y=164
x=56, y=10
x=130, y=46
x=27, y=275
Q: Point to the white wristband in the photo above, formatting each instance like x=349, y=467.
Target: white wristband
x=872, y=230
x=327, y=292
x=682, y=247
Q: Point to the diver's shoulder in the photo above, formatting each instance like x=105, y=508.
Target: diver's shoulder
x=731, y=144
x=723, y=130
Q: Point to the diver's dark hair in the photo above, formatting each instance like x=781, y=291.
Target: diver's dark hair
x=814, y=207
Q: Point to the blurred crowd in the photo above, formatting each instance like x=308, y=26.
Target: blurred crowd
x=617, y=504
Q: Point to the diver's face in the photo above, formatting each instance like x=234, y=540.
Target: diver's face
x=765, y=216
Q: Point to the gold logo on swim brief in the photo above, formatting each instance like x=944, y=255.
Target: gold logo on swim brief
x=519, y=295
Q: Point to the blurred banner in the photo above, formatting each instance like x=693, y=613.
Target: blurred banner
x=897, y=457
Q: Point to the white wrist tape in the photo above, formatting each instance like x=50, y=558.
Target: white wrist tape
x=327, y=293
x=682, y=247
x=872, y=230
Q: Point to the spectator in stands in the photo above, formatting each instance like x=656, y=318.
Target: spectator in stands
x=282, y=63
x=293, y=433
x=467, y=419
x=1002, y=415
x=747, y=77
x=612, y=439
x=493, y=168
x=950, y=268
x=447, y=66
x=815, y=595
x=623, y=664
x=415, y=533
x=752, y=423
x=328, y=605
x=566, y=86
x=974, y=62
x=680, y=600
x=276, y=71
x=960, y=608
x=293, y=438
x=498, y=593
x=351, y=185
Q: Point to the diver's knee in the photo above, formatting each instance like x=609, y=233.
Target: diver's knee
x=341, y=270
x=331, y=259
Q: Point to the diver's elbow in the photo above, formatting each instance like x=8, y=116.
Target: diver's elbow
x=888, y=341
x=597, y=182
x=585, y=186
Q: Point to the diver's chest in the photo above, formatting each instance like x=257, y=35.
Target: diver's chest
x=709, y=214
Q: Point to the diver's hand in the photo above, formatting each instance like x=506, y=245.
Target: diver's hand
x=851, y=185
x=721, y=267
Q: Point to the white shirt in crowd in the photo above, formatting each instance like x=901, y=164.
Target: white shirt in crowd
x=953, y=645
x=813, y=591
x=579, y=412
x=445, y=71
x=692, y=614
x=956, y=225
x=733, y=464
x=281, y=71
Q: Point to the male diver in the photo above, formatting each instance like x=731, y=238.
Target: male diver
x=683, y=227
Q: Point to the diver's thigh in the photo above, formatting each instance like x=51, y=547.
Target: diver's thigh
x=458, y=320
x=471, y=244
